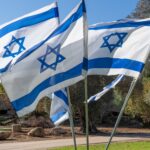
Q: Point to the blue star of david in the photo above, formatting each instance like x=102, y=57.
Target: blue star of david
x=9, y=48
x=117, y=39
x=53, y=65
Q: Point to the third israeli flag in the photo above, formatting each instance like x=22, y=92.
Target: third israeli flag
x=119, y=47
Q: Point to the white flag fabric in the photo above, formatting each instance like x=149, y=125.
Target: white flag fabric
x=119, y=47
x=60, y=117
x=59, y=111
x=49, y=66
x=24, y=32
x=106, y=89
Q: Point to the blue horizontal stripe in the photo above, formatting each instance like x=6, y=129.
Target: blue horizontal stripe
x=121, y=25
x=62, y=96
x=28, y=99
x=115, y=63
x=57, y=116
x=62, y=28
x=28, y=21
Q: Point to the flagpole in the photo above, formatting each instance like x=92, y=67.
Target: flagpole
x=71, y=119
x=86, y=113
x=85, y=33
x=121, y=112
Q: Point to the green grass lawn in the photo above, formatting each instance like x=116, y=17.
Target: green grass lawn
x=114, y=146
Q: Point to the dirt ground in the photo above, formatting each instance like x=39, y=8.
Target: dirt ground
x=103, y=131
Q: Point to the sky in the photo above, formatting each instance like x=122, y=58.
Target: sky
x=97, y=10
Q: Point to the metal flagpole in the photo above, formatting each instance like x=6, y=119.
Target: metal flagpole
x=71, y=119
x=85, y=32
x=121, y=112
x=86, y=113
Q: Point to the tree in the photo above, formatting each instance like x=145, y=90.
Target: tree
x=142, y=10
x=139, y=103
x=96, y=109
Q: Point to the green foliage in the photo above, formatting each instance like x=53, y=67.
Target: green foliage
x=118, y=101
x=2, y=89
x=139, y=103
x=146, y=72
x=114, y=146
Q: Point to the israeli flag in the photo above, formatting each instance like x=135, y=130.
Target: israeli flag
x=54, y=63
x=24, y=32
x=59, y=111
x=119, y=47
x=106, y=89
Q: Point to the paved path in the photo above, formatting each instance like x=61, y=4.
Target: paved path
x=44, y=145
